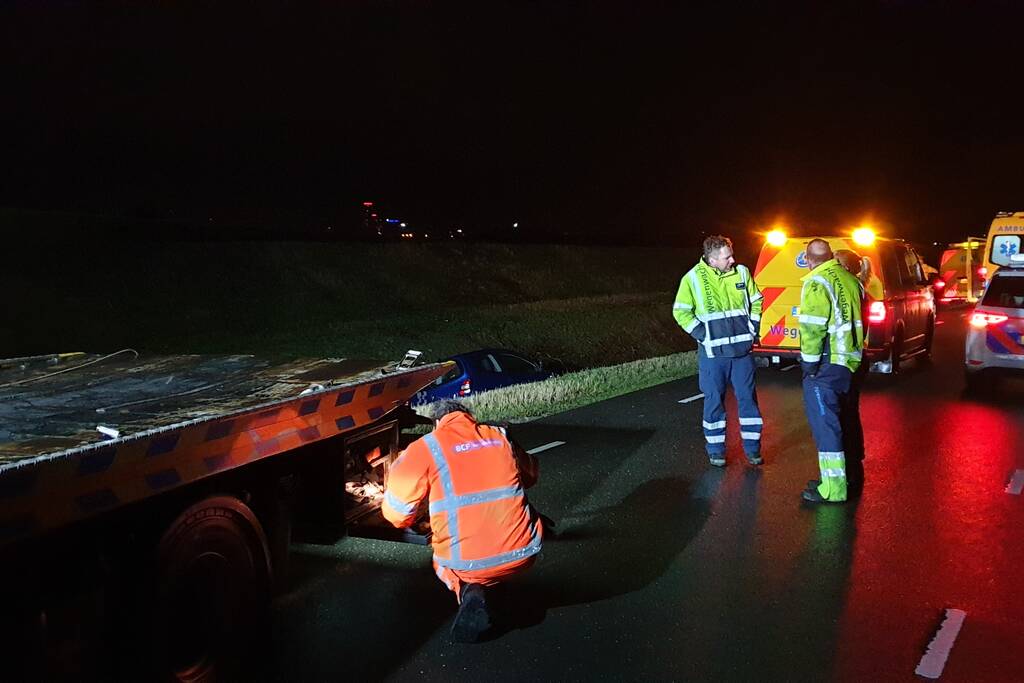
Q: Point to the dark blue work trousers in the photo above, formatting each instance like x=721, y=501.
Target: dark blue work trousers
x=715, y=376
x=827, y=396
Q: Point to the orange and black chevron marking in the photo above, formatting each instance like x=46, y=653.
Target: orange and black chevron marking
x=46, y=494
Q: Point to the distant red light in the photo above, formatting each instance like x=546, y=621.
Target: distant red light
x=876, y=312
x=983, y=271
x=367, y=203
x=986, y=319
x=941, y=284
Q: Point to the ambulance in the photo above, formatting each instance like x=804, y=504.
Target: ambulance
x=960, y=272
x=901, y=310
x=1004, y=240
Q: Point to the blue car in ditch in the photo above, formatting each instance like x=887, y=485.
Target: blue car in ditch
x=483, y=370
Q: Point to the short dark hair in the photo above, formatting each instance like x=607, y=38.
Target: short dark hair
x=715, y=242
x=818, y=251
x=447, y=407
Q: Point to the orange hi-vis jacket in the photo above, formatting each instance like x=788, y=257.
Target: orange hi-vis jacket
x=479, y=516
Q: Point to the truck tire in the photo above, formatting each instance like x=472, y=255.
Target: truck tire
x=213, y=580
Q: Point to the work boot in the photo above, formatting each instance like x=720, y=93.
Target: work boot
x=472, y=620
x=813, y=484
x=717, y=460
x=812, y=496
x=754, y=458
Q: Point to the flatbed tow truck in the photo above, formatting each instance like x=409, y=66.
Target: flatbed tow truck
x=147, y=504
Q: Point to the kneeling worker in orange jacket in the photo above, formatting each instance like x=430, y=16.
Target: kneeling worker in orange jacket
x=483, y=528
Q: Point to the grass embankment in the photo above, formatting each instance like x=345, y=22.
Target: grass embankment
x=584, y=306
x=576, y=389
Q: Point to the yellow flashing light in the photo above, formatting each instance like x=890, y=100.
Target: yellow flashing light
x=776, y=238
x=863, y=236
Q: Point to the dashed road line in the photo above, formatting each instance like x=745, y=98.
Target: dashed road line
x=1016, y=484
x=545, y=447
x=692, y=398
x=788, y=368
x=934, y=658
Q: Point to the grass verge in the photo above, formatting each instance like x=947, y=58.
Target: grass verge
x=524, y=402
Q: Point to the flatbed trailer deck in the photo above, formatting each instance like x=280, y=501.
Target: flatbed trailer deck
x=100, y=452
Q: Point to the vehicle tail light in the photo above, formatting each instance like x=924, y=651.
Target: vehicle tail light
x=983, y=271
x=940, y=284
x=465, y=388
x=986, y=319
x=876, y=312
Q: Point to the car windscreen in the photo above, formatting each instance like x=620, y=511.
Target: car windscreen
x=1005, y=292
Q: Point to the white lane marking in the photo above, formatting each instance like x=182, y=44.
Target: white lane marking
x=788, y=368
x=692, y=398
x=1016, y=484
x=934, y=658
x=545, y=447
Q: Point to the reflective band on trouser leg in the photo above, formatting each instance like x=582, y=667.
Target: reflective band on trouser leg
x=713, y=374
x=822, y=405
x=832, y=465
x=449, y=579
x=742, y=376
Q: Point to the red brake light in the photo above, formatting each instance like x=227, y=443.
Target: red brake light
x=983, y=271
x=876, y=312
x=465, y=388
x=986, y=319
x=940, y=284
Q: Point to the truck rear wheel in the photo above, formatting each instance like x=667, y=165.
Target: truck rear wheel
x=212, y=590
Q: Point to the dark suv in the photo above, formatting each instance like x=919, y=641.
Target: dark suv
x=902, y=322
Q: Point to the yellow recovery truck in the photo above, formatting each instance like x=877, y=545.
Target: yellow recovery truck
x=147, y=504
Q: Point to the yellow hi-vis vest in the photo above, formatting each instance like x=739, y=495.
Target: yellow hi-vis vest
x=831, y=318
x=722, y=311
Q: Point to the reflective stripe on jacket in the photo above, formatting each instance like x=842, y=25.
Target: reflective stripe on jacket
x=831, y=316
x=722, y=311
x=479, y=515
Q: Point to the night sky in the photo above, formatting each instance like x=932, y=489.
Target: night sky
x=629, y=121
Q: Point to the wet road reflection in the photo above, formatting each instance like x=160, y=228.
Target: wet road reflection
x=667, y=569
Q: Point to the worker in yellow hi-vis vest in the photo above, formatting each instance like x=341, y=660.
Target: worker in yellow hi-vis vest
x=719, y=305
x=831, y=348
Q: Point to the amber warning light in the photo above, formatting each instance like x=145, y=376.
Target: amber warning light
x=864, y=236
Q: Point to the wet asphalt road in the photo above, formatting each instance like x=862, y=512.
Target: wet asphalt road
x=667, y=569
